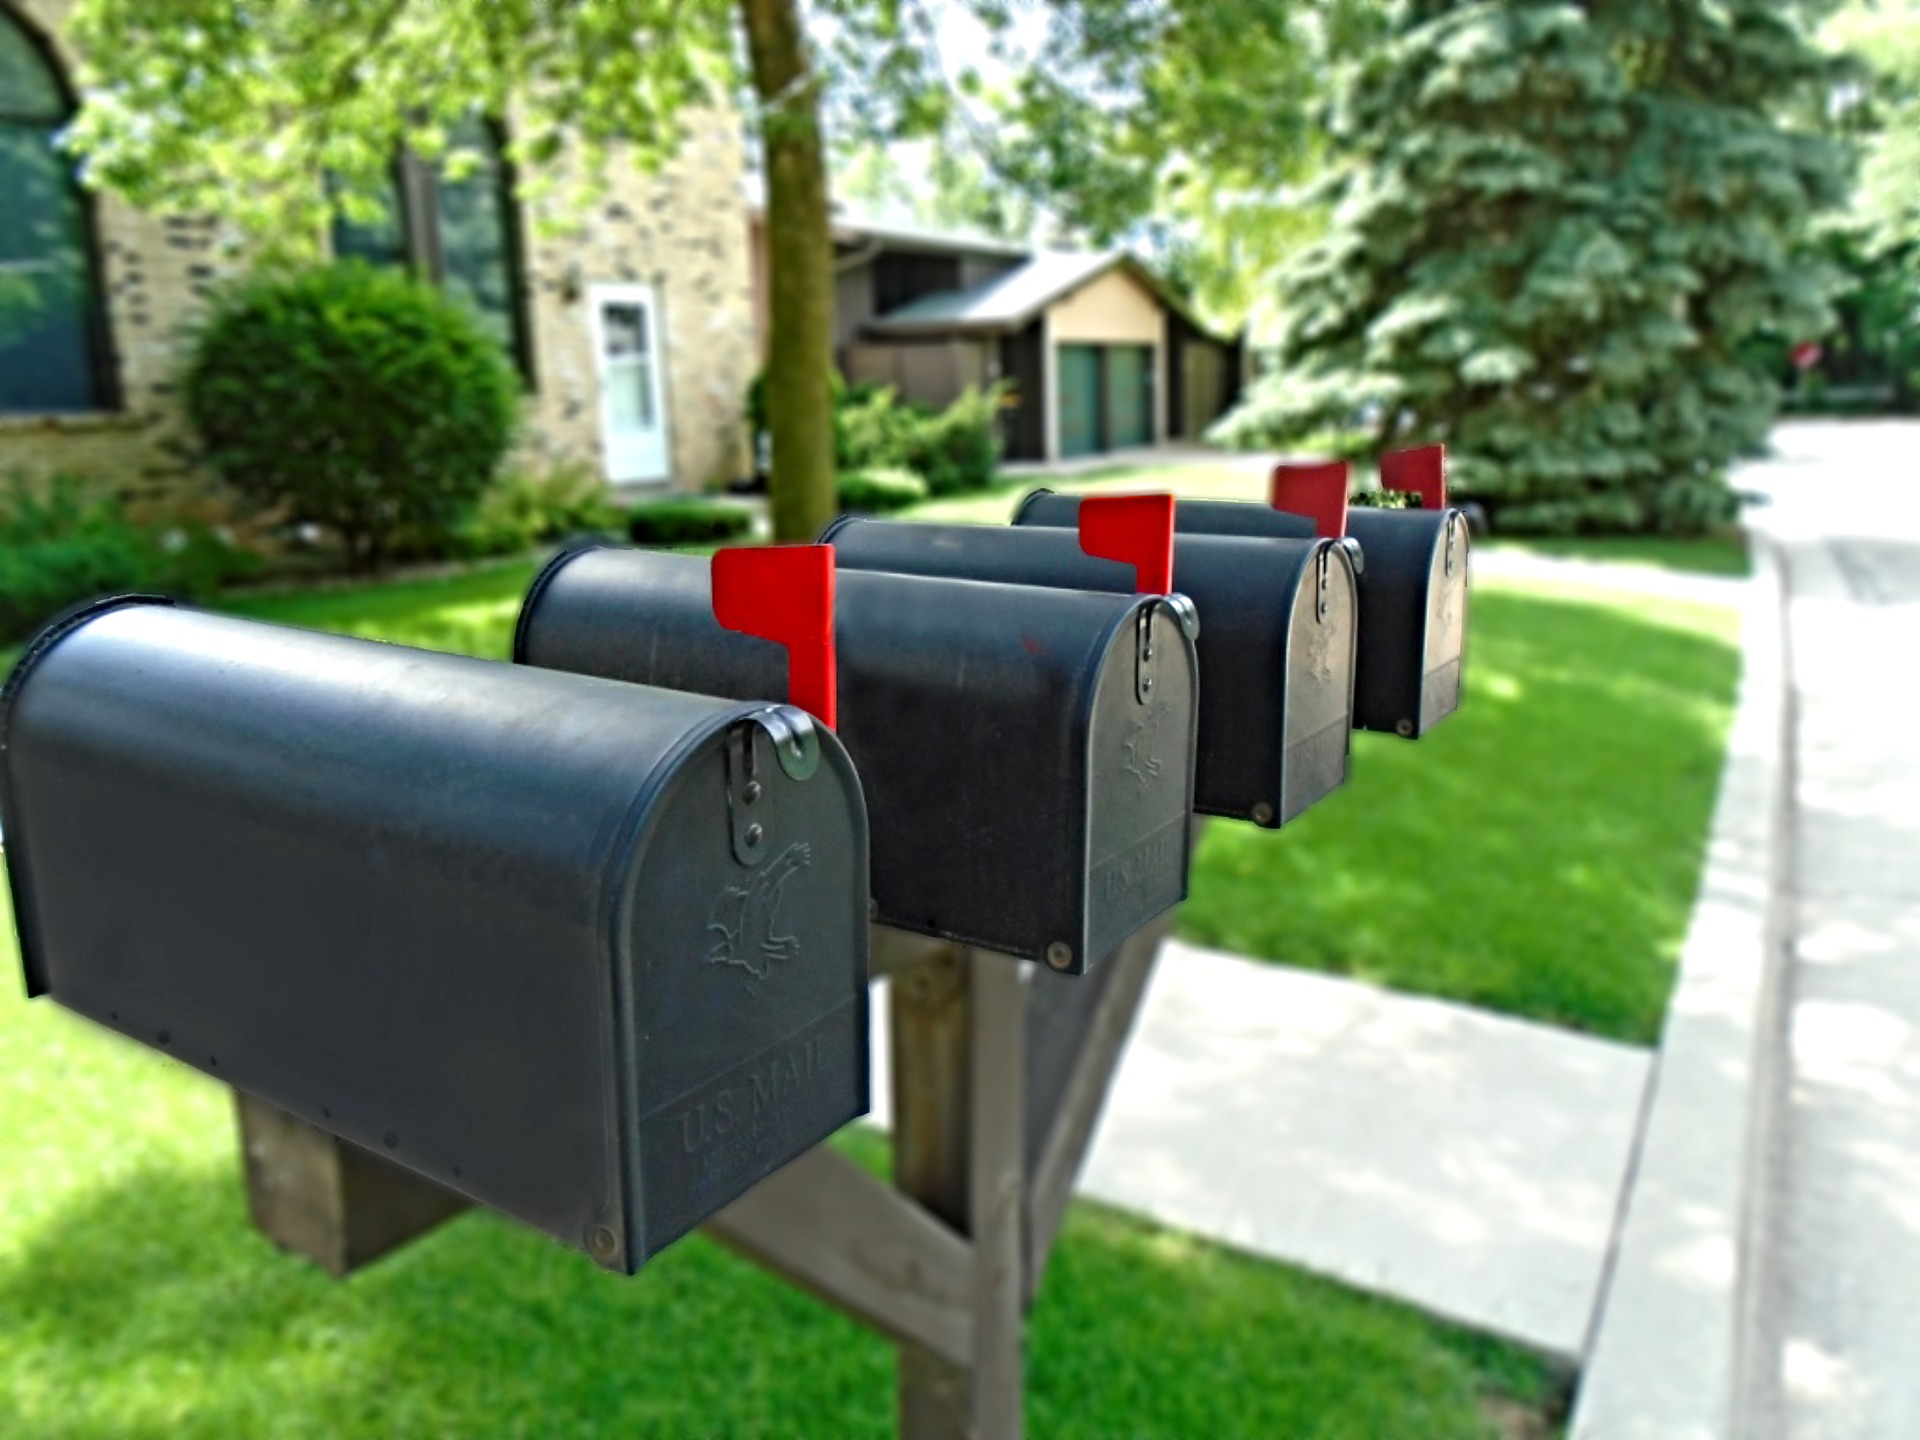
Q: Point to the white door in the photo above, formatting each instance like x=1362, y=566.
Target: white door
x=633, y=413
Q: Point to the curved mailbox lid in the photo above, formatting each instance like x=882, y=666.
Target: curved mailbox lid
x=484, y=921
x=1023, y=794
x=1277, y=664
x=1413, y=596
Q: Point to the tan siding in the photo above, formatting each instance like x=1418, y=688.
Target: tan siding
x=1115, y=309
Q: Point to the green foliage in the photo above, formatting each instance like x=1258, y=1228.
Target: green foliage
x=880, y=492
x=1558, y=228
x=61, y=543
x=524, y=507
x=354, y=398
x=1614, y=704
x=1884, y=36
x=182, y=96
x=953, y=450
x=687, y=521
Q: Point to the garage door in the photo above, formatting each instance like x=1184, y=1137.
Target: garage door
x=1079, y=379
x=1129, y=395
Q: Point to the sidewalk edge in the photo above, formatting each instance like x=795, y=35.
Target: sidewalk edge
x=1665, y=1357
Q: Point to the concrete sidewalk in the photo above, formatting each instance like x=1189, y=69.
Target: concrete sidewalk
x=1456, y=1159
x=1836, y=1340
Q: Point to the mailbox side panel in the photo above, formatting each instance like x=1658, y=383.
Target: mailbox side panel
x=964, y=705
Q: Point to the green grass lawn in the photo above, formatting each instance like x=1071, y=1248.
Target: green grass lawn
x=136, y=1301
x=1538, y=852
x=472, y=612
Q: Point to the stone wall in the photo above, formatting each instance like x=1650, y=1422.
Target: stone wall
x=685, y=230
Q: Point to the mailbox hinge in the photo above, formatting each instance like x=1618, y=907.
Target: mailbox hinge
x=796, y=746
x=1144, y=656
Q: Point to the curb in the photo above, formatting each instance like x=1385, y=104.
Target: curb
x=1666, y=1354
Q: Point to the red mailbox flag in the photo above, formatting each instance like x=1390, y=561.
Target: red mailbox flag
x=1136, y=530
x=784, y=593
x=1317, y=490
x=1421, y=472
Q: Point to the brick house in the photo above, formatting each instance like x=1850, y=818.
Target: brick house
x=632, y=328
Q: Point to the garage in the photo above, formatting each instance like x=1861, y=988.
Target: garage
x=1105, y=397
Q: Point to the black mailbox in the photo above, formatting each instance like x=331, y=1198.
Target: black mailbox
x=1027, y=754
x=1412, y=581
x=1276, y=642
x=501, y=926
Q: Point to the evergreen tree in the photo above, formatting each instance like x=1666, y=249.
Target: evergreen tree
x=1556, y=226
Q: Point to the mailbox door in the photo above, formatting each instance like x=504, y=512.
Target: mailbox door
x=1420, y=580
x=423, y=902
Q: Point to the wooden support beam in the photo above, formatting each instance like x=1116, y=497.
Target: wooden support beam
x=328, y=1199
x=825, y=1225
x=959, y=1092
x=1062, y=1148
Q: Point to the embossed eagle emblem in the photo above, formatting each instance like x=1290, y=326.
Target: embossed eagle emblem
x=1143, y=736
x=745, y=919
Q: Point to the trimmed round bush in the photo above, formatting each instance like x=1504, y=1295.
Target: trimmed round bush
x=880, y=492
x=354, y=398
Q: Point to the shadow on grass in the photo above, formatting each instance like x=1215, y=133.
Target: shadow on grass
x=151, y=1308
x=1538, y=853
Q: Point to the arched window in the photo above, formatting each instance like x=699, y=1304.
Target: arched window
x=462, y=234
x=52, y=343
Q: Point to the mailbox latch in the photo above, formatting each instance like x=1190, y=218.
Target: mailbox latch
x=1454, y=528
x=796, y=747
x=1323, y=581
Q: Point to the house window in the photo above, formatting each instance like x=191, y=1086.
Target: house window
x=464, y=234
x=52, y=336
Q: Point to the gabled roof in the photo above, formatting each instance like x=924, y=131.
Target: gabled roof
x=1010, y=301
x=853, y=229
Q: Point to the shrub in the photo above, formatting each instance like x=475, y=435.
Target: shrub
x=687, y=521
x=959, y=449
x=60, y=544
x=524, y=507
x=873, y=428
x=956, y=449
x=354, y=398
x=880, y=492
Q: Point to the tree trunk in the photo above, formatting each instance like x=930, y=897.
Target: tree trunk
x=799, y=270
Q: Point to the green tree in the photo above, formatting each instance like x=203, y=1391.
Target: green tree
x=1556, y=225
x=233, y=107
